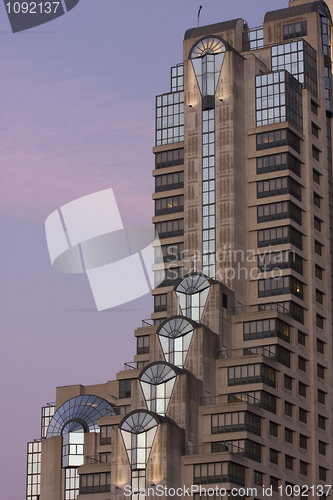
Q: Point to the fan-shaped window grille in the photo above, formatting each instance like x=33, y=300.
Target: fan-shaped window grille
x=207, y=58
x=80, y=411
x=138, y=431
x=192, y=293
x=175, y=336
x=157, y=382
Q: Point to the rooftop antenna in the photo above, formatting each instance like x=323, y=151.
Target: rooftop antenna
x=199, y=14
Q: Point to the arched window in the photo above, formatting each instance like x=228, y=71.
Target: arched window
x=175, y=336
x=207, y=57
x=157, y=382
x=192, y=293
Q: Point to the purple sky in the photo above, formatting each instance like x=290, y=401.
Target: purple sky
x=77, y=116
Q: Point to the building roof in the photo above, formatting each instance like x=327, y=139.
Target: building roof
x=211, y=28
x=297, y=10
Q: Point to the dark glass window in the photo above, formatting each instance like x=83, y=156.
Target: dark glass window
x=317, y=223
x=219, y=472
x=274, y=482
x=95, y=483
x=279, y=186
x=105, y=434
x=301, y=363
x=314, y=107
x=169, y=181
x=250, y=374
x=321, y=397
x=294, y=30
x=319, y=296
x=257, y=478
x=316, y=176
x=142, y=344
x=315, y=153
x=169, y=205
x=314, y=130
x=236, y=422
x=302, y=415
x=273, y=429
x=303, y=442
x=322, y=447
x=160, y=302
x=169, y=158
x=279, y=210
x=284, y=259
x=301, y=338
x=321, y=371
x=169, y=229
x=279, y=236
x=289, y=462
x=277, y=162
x=125, y=388
x=321, y=422
x=169, y=253
x=288, y=409
x=316, y=200
x=318, y=272
x=320, y=321
x=322, y=473
x=318, y=247
x=288, y=383
x=166, y=277
x=277, y=138
x=280, y=286
x=303, y=468
x=288, y=435
x=265, y=329
x=302, y=389
x=320, y=346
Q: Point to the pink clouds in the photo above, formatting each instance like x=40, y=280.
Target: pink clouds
x=65, y=138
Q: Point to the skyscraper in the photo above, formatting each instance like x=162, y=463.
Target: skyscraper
x=231, y=385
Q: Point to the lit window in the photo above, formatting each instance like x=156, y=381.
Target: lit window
x=157, y=383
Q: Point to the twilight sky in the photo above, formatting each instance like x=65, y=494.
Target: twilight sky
x=77, y=116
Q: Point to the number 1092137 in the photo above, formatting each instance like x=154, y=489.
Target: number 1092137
x=32, y=7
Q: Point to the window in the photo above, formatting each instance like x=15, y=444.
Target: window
x=279, y=236
x=318, y=247
x=294, y=30
x=274, y=482
x=318, y=272
x=303, y=468
x=301, y=338
x=142, y=344
x=316, y=200
x=235, y=422
x=302, y=389
x=277, y=162
x=169, y=253
x=321, y=371
x=168, y=276
x=289, y=462
x=105, y=434
x=250, y=374
x=280, y=286
x=322, y=447
x=322, y=474
x=160, y=302
x=266, y=328
x=169, y=229
x=301, y=363
x=319, y=296
x=316, y=176
x=257, y=478
x=284, y=259
x=319, y=321
x=72, y=483
x=321, y=422
x=288, y=435
x=277, y=138
x=280, y=210
x=274, y=93
x=302, y=415
x=169, y=181
x=320, y=346
x=273, y=429
x=315, y=153
x=317, y=223
x=171, y=204
x=314, y=130
x=125, y=388
x=34, y=470
x=253, y=39
x=288, y=409
x=157, y=383
x=175, y=336
x=95, y=483
x=314, y=107
x=169, y=118
x=219, y=472
x=169, y=158
x=177, y=77
x=321, y=397
x=273, y=456
x=288, y=383
x=225, y=301
x=303, y=442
